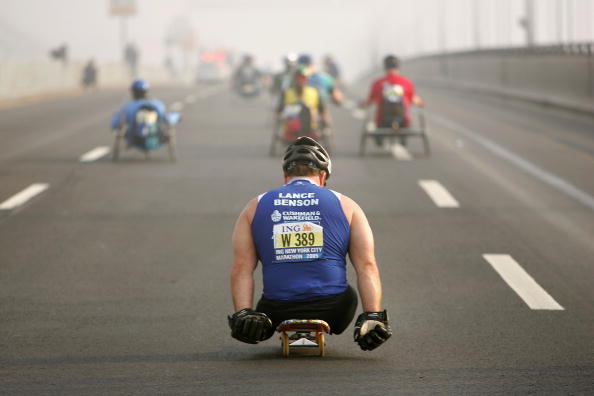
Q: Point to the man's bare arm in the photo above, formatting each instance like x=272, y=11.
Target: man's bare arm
x=361, y=253
x=245, y=259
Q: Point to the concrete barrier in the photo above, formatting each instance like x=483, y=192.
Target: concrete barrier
x=554, y=75
x=27, y=79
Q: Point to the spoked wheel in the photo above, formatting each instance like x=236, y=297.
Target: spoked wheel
x=426, y=144
x=272, y=151
x=171, y=147
x=285, y=343
x=117, y=142
x=363, y=143
x=402, y=139
x=326, y=140
x=321, y=343
x=423, y=127
x=274, y=140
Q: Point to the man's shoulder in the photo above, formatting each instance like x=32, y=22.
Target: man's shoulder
x=379, y=81
x=403, y=79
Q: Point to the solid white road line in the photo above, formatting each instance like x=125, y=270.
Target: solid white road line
x=521, y=282
x=94, y=154
x=22, y=197
x=400, y=152
x=438, y=193
x=541, y=174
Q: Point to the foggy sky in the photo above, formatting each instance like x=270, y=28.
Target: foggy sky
x=356, y=32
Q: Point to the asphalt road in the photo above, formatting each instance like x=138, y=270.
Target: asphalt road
x=114, y=276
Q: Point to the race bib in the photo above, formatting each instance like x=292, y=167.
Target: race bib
x=300, y=241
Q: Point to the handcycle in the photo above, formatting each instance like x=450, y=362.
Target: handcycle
x=152, y=135
x=395, y=133
x=287, y=129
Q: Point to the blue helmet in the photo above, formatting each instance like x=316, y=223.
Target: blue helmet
x=140, y=85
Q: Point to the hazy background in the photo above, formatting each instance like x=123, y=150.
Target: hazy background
x=356, y=32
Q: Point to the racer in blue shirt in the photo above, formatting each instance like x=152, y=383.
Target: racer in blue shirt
x=125, y=116
x=301, y=233
x=324, y=82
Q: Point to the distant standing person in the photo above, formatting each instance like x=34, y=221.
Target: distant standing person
x=131, y=57
x=89, y=77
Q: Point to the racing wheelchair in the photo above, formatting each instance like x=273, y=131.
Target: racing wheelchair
x=295, y=122
x=395, y=133
x=147, y=133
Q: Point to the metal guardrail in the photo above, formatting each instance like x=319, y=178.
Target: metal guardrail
x=584, y=48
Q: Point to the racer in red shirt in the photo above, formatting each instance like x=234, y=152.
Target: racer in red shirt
x=393, y=78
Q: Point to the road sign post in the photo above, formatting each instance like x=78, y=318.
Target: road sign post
x=123, y=9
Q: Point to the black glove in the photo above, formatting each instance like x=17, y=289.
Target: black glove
x=372, y=330
x=250, y=326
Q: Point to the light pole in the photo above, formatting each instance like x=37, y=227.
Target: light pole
x=442, y=27
x=476, y=23
x=528, y=22
x=123, y=9
x=559, y=20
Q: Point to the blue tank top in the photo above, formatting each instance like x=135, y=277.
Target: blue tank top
x=302, y=238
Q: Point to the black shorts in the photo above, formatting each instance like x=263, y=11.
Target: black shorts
x=337, y=310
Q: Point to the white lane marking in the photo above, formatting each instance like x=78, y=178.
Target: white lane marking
x=438, y=193
x=358, y=114
x=521, y=282
x=208, y=91
x=94, y=154
x=400, y=152
x=176, y=106
x=527, y=166
x=23, y=196
x=190, y=99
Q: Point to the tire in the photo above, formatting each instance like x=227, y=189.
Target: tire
x=171, y=146
x=426, y=144
x=363, y=143
x=274, y=139
x=326, y=140
x=272, y=150
x=116, y=147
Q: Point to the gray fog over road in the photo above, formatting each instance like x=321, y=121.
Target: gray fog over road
x=114, y=277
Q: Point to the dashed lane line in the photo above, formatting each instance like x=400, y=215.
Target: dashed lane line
x=359, y=114
x=23, y=196
x=400, y=152
x=176, y=106
x=349, y=104
x=94, y=154
x=522, y=283
x=370, y=126
x=532, y=169
x=209, y=92
x=438, y=193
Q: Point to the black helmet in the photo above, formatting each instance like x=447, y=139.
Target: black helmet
x=391, y=62
x=308, y=151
